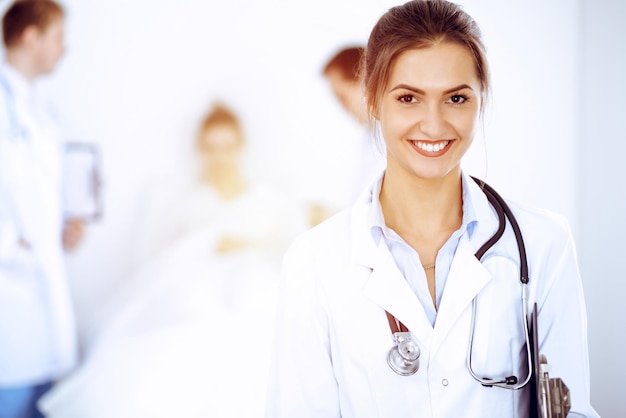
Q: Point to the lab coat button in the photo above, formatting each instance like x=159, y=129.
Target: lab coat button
x=444, y=382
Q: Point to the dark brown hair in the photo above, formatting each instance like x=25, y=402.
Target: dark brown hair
x=218, y=115
x=347, y=62
x=419, y=24
x=24, y=13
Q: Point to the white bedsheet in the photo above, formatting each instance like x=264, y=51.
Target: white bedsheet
x=189, y=337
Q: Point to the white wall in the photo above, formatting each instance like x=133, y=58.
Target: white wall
x=602, y=198
x=139, y=74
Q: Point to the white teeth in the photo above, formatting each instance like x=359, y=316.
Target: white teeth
x=430, y=147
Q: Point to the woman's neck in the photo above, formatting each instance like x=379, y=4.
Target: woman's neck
x=424, y=212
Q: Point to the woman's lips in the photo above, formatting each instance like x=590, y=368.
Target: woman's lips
x=431, y=148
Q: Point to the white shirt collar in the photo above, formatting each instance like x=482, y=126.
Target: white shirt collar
x=376, y=219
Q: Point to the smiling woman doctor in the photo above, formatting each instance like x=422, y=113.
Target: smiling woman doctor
x=404, y=259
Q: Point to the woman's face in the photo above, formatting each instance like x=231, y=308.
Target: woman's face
x=221, y=145
x=429, y=110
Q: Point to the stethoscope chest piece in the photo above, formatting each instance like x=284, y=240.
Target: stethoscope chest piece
x=403, y=358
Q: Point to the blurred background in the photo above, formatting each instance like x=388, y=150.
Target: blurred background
x=139, y=75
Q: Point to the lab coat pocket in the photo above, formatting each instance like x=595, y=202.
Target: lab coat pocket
x=499, y=334
x=22, y=320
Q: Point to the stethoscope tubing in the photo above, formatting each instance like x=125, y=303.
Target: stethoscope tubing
x=504, y=212
x=509, y=382
x=16, y=129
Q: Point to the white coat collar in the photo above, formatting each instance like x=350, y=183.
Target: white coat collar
x=18, y=84
x=388, y=288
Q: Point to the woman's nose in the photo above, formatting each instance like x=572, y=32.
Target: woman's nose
x=432, y=122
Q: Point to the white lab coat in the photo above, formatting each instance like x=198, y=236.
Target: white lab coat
x=37, y=339
x=333, y=336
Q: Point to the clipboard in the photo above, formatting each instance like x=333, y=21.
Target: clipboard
x=534, y=410
x=549, y=397
x=82, y=182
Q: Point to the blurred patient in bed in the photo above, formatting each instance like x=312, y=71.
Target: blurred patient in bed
x=190, y=334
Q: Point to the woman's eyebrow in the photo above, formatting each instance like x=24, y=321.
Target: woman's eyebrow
x=422, y=92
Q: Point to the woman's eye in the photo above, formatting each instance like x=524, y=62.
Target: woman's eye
x=406, y=98
x=458, y=99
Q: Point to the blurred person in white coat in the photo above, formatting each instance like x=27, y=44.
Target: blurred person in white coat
x=37, y=333
x=343, y=75
x=391, y=308
x=365, y=159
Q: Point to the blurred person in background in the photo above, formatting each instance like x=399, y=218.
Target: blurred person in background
x=223, y=201
x=367, y=160
x=190, y=334
x=342, y=73
x=37, y=332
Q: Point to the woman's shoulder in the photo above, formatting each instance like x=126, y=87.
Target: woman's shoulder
x=538, y=215
x=540, y=223
x=535, y=222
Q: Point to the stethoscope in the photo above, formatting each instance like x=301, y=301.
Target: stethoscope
x=17, y=131
x=403, y=357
